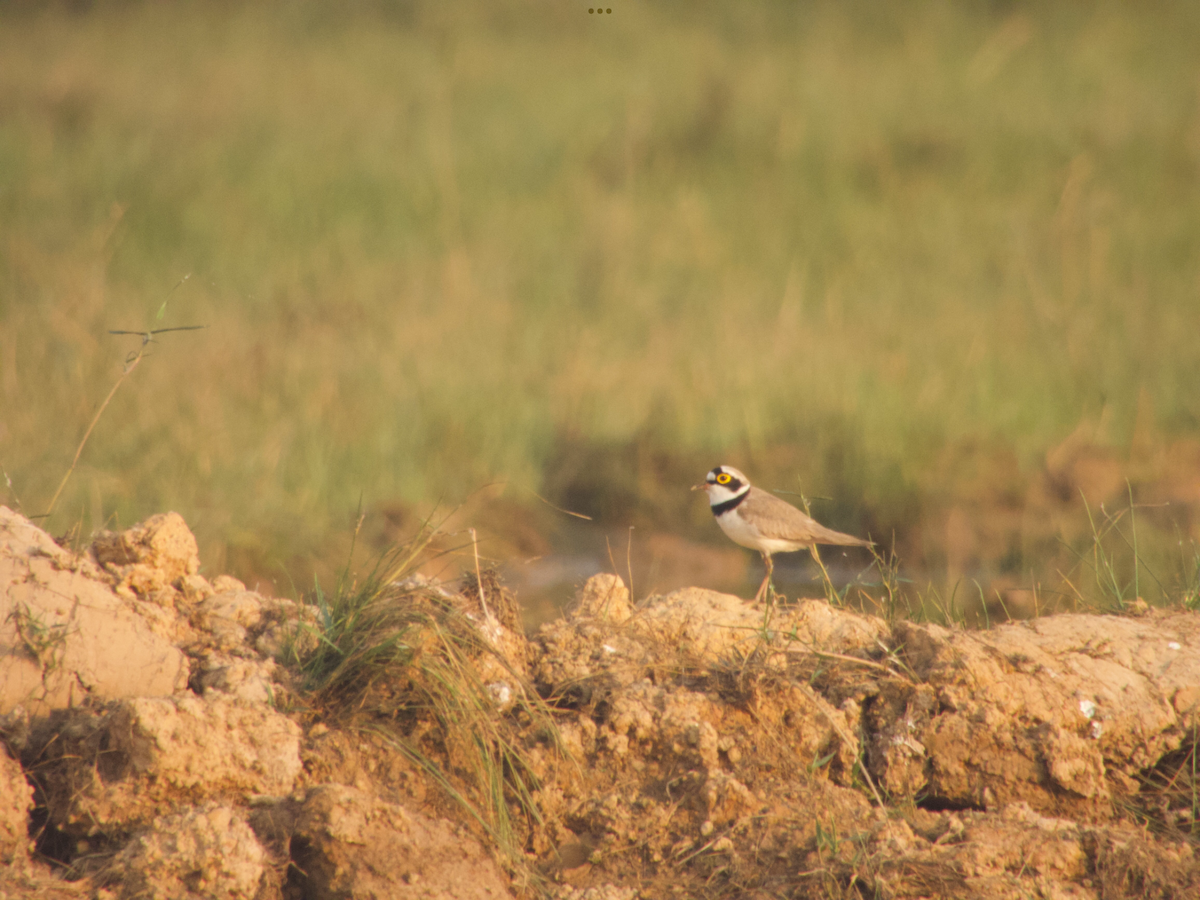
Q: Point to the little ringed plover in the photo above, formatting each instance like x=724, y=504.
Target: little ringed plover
x=761, y=521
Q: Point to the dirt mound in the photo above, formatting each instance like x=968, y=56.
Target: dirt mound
x=747, y=751
x=1063, y=713
x=65, y=636
x=111, y=770
x=689, y=745
x=200, y=851
x=351, y=844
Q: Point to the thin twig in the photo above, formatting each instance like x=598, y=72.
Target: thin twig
x=830, y=593
x=862, y=662
x=687, y=859
x=1078, y=596
x=559, y=508
x=479, y=577
x=827, y=710
x=129, y=367
x=146, y=335
x=629, y=562
x=130, y=364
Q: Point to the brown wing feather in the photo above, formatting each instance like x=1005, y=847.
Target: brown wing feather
x=779, y=519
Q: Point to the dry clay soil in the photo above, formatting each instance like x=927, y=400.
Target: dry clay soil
x=155, y=746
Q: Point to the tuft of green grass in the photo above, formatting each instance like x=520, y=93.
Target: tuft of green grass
x=44, y=642
x=1110, y=567
x=399, y=657
x=1189, y=590
x=1121, y=573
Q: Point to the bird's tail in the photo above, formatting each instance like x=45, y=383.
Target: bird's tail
x=829, y=536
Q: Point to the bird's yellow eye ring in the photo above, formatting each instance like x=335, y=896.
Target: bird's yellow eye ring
x=724, y=478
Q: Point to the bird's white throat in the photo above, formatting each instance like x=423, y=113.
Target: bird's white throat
x=719, y=494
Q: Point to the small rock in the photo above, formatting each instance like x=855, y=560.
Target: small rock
x=16, y=799
x=117, y=769
x=604, y=597
x=247, y=679
x=357, y=845
x=225, y=583
x=210, y=853
x=149, y=556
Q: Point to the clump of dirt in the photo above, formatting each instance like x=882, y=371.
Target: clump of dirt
x=16, y=798
x=355, y=844
x=209, y=851
x=149, y=557
x=412, y=741
x=110, y=769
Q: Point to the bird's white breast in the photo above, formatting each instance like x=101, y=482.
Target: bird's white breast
x=742, y=532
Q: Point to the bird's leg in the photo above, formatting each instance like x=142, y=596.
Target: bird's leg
x=766, y=582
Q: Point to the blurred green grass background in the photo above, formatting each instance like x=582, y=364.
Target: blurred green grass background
x=894, y=254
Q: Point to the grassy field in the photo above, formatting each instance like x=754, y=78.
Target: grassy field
x=893, y=254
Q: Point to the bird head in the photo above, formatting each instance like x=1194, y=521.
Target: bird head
x=723, y=483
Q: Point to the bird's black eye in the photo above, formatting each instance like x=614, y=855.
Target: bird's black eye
x=724, y=478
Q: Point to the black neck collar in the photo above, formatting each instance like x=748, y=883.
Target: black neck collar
x=719, y=509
